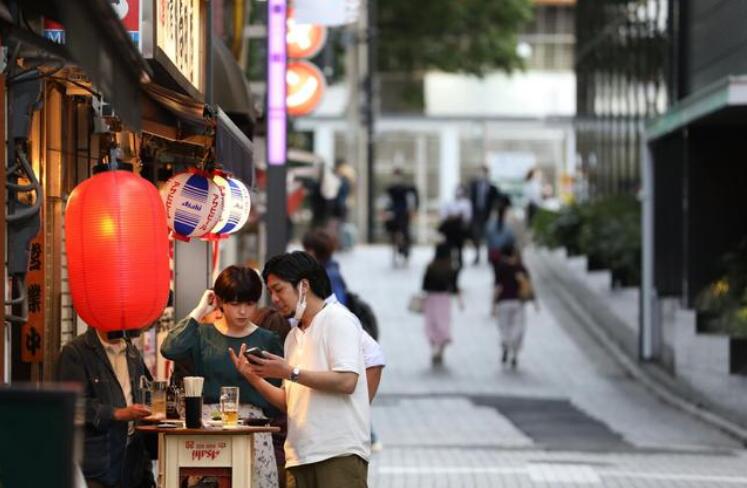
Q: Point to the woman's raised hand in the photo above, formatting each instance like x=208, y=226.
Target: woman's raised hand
x=207, y=304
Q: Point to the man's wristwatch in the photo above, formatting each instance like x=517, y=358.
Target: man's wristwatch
x=295, y=374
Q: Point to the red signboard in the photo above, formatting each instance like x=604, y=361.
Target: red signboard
x=304, y=40
x=305, y=87
x=127, y=10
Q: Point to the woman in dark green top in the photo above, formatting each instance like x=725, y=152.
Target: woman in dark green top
x=205, y=347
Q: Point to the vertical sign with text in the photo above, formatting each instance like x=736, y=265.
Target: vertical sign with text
x=32, y=332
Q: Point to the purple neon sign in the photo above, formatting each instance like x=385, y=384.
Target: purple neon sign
x=276, y=65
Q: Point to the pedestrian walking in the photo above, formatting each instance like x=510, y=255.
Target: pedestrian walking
x=483, y=195
x=533, y=194
x=512, y=289
x=324, y=390
x=402, y=205
x=498, y=234
x=456, y=217
x=439, y=286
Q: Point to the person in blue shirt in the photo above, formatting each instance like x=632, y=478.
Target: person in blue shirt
x=321, y=245
x=205, y=345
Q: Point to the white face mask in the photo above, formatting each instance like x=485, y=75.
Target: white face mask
x=301, y=303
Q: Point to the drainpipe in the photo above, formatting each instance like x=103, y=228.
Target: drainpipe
x=650, y=340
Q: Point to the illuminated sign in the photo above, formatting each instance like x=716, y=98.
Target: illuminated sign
x=276, y=64
x=178, y=36
x=304, y=40
x=305, y=87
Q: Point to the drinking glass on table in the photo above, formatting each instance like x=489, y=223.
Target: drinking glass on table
x=229, y=405
x=158, y=398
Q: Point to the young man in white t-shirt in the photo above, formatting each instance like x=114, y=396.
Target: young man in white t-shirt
x=324, y=393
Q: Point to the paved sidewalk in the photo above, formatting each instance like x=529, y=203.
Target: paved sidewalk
x=568, y=413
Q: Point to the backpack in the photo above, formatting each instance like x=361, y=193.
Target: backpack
x=365, y=314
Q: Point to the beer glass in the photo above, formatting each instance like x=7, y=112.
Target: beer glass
x=229, y=405
x=155, y=395
x=158, y=398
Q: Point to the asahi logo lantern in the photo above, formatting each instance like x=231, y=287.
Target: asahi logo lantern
x=194, y=204
x=236, y=205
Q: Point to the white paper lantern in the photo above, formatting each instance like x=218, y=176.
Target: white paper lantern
x=236, y=206
x=194, y=204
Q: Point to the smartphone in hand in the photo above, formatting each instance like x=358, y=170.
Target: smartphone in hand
x=254, y=352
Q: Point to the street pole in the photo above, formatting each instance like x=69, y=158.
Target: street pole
x=370, y=94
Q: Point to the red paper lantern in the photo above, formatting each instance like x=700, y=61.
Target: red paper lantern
x=117, y=251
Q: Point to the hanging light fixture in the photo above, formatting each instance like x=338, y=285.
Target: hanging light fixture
x=194, y=204
x=236, y=205
x=117, y=251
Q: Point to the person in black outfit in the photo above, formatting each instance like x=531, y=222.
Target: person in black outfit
x=109, y=372
x=439, y=285
x=484, y=196
x=403, y=203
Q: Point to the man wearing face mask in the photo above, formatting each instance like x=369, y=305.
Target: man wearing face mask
x=324, y=391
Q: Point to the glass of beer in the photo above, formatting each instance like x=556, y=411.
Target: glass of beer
x=158, y=398
x=229, y=405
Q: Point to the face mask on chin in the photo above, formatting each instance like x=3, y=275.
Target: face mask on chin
x=301, y=303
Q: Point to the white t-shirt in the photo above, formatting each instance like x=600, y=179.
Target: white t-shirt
x=373, y=354
x=324, y=425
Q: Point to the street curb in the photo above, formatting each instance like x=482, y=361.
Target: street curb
x=665, y=389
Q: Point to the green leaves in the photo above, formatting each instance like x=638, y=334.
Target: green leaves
x=471, y=36
x=607, y=231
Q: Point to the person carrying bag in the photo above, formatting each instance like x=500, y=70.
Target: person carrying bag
x=513, y=288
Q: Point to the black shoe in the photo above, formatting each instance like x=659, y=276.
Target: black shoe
x=513, y=363
x=504, y=356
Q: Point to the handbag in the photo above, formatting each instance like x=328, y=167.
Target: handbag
x=415, y=305
x=526, y=291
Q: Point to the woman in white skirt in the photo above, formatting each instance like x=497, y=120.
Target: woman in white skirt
x=512, y=289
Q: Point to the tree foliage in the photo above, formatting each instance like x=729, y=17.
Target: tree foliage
x=471, y=36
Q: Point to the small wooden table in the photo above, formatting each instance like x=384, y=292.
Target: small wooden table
x=226, y=454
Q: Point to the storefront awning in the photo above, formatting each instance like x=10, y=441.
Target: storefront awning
x=722, y=102
x=97, y=41
x=233, y=150
x=230, y=87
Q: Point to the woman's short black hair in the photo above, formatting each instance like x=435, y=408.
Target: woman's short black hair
x=296, y=266
x=238, y=284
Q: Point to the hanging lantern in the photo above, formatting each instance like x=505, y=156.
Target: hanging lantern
x=194, y=204
x=236, y=205
x=117, y=251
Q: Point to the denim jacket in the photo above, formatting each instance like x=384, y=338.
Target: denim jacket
x=107, y=456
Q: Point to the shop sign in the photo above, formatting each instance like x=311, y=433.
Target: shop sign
x=178, y=25
x=127, y=10
x=304, y=40
x=305, y=85
x=32, y=332
x=277, y=57
x=204, y=451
